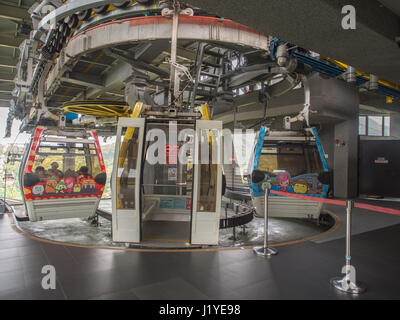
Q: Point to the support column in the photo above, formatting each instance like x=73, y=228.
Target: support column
x=327, y=137
x=345, y=167
x=337, y=106
x=395, y=126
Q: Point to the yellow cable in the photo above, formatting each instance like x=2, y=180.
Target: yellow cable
x=98, y=108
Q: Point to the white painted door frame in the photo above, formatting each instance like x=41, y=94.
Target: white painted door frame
x=126, y=223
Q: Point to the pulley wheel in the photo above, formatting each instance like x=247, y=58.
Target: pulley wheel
x=72, y=21
x=101, y=9
x=84, y=15
x=121, y=4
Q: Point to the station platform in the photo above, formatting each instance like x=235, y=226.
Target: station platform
x=299, y=271
x=161, y=234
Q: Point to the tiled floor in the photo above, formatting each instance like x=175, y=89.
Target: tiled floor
x=299, y=271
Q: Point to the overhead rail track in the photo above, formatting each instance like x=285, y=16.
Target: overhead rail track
x=336, y=69
x=78, y=28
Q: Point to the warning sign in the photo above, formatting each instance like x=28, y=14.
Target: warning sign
x=381, y=161
x=172, y=173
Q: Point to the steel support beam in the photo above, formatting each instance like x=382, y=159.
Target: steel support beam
x=94, y=62
x=4, y=104
x=10, y=42
x=5, y=96
x=114, y=78
x=136, y=63
x=84, y=79
x=15, y=13
x=8, y=86
x=7, y=77
x=7, y=62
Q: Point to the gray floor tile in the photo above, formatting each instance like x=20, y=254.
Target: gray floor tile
x=12, y=264
x=172, y=289
x=12, y=280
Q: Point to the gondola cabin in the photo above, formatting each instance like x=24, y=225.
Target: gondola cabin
x=64, y=174
x=162, y=189
x=297, y=162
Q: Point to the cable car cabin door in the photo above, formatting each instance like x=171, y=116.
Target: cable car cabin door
x=126, y=180
x=206, y=204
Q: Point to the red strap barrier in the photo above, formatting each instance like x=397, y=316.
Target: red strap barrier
x=315, y=199
x=338, y=202
x=378, y=209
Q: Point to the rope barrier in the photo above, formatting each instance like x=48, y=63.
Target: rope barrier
x=339, y=202
x=348, y=282
x=315, y=199
x=376, y=208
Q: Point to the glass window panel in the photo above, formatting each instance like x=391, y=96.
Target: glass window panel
x=173, y=178
x=297, y=160
x=207, y=197
x=387, y=126
x=243, y=144
x=375, y=126
x=269, y=160
x=95, y=166
x=362, y=129
x=126, y=169
x=52, y=148
x=44, y=162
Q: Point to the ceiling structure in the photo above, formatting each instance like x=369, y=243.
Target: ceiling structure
x=392, y=5
x=316, y=25
x=15, y=25
x=378, y=25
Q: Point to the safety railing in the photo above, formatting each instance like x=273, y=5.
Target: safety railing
x=348, y=283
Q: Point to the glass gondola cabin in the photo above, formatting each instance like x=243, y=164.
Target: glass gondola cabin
x=64, y=175
x=297, y=162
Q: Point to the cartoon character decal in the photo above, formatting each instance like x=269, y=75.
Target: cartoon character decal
x=69, y=182
x=300, y=186
x=38, y=189
x=77, y=188
x=51, y=183
x=303, y=184
x=88, y=185
x=283, y=181
x=61, y=187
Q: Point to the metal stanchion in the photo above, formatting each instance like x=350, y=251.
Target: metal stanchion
x=265, y=250
x=348, y=283
x=3, y=206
